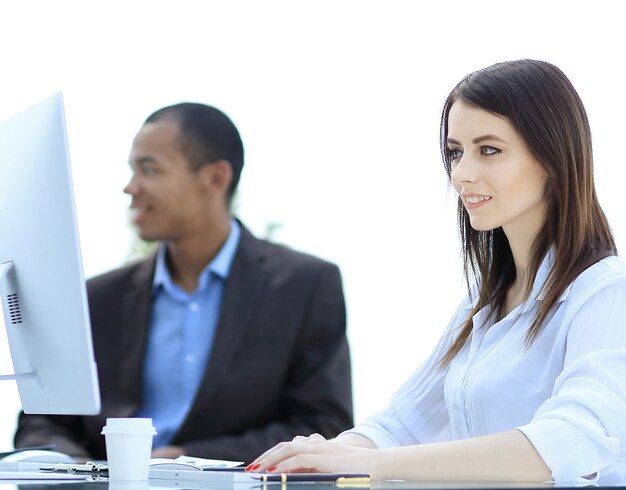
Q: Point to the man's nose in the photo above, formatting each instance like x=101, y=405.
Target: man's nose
x=132, y=187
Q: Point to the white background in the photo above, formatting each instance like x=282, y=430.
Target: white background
x=338, y=104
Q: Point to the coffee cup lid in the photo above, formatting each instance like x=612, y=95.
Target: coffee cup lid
x=130, y=425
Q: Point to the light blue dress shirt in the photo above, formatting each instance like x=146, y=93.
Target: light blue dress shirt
x=181, y=334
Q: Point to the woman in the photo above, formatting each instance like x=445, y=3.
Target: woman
x=528, y=382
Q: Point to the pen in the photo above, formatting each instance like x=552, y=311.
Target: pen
x=88, y=468
x=316, y=477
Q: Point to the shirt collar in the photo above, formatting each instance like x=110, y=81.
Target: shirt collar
x=537, y=292
x=219, y=266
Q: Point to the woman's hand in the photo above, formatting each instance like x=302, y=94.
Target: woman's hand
x=315, y=454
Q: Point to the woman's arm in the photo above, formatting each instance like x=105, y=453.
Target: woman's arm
x=507, y=456
x=355, y=440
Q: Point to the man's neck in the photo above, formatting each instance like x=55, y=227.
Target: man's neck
x=189, y=256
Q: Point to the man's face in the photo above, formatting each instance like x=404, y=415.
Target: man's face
x=167, y=198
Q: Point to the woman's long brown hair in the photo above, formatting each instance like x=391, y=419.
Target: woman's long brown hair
x=542, y=105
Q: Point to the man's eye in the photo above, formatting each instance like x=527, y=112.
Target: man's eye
x=148, y=170
x=489, y=150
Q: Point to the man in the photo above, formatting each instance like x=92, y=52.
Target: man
x=229, y=343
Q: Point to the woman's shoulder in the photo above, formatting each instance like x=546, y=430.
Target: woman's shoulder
x=611, y=268
x=613, y=263
x=608, y=272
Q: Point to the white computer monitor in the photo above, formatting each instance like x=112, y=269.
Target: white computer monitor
x=43, y=291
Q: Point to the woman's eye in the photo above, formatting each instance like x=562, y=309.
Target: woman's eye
x=454, y=154
x=489, y=150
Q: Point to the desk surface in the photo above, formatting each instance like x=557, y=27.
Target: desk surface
x=191, y=485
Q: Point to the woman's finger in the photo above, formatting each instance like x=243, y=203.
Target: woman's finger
x=266, y=455
x=313, y=437
x=284, y=451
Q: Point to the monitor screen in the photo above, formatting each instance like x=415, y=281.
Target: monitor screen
x=43, y=291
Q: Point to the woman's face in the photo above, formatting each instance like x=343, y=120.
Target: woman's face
x=499, y=182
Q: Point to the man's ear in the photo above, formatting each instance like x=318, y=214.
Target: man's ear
x=216, y=176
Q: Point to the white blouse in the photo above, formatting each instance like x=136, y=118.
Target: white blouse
x=567, y=393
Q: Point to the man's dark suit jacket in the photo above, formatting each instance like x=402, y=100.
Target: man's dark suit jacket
x=279, y=366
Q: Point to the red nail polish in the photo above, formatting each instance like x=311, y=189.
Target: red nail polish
x=256, y=466
x=272, y=468
x=249, y=467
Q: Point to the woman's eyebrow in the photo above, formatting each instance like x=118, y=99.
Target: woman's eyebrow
x=478, y=139
x=487, y=137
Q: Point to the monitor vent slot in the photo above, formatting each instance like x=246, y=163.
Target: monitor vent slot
x=15, y=314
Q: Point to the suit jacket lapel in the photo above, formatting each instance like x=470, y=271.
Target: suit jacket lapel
x=136, y=314
x=245, y=283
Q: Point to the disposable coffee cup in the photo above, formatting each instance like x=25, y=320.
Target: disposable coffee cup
x=129, y=485
x=129, y=444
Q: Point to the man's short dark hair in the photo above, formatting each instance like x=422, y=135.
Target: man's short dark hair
x=206, y=135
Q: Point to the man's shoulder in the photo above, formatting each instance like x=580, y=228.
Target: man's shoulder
x=285, y=271
x=280, y=254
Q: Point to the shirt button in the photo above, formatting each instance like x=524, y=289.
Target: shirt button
x=194, y=306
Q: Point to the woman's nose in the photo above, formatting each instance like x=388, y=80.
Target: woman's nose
x=463, y=171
